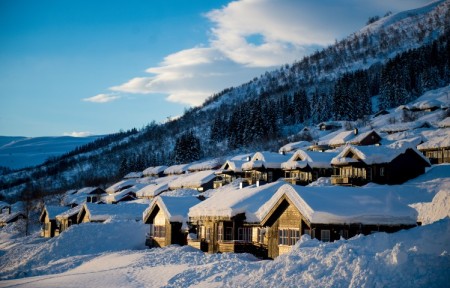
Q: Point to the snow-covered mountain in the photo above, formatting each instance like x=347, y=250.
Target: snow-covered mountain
x=21, y=152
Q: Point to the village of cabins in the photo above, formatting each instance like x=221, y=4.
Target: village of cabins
x=263, y=202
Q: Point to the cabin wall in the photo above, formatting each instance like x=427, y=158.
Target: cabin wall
x=406, y=166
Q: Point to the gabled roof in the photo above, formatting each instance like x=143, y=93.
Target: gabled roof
x=374, y=154
x=361, y=137
x=175, y=209
x=103, y=212
x=151, y=171
x=301, y=159
x=52, y=211
x=6, y=218
x=265, y=159
x=158, y=186
x=234, y=164
x=436, y=142
x=192, y=180
x=121, y=184
x=290, y=147
x=337, y=139
x=343, y=205
x=132, y=175
x=69, y=213
x=206, y=165
x=228, y=203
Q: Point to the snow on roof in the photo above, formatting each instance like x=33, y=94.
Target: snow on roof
x=436, y=142
x=230, y=202
x=52, y=211
x=235, y=163
x=427, y=104
x=5, y=218
x=206, y=165
x=444, y=123
x=360, y=137
x=118, y=196
x=88, y=190
x=103, y=212
x=4, y=204
x=158, y=186
x=66, y=214
x=80, y=195
x=175, y=208
x=133, y=175
x=375, y=154
x=192, y=180
x=400, y=127
x=290, y=147
x=338, y=138
x=267, y=159
x=151, y=171
x=344, y=205
x=121, y=184
x=176, y=169
x=300, y=159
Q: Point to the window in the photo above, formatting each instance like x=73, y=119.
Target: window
x=228, y=233
x=159, y=231
x=220, y=232
x=381, y=171
x=245, y=234
x=288, y=236
x=261, y=235
x=325, y=235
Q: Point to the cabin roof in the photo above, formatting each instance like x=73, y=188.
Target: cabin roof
x=175, y=208
x=52, y=211
x=444, y=123
x=195, y=179
x=344, y=205
x=313, y=159
x=6, y=218
x=103, y=212
x=267, y=159
x=154, y=170
x=158, y=186
x=68, y=213
x=360, y=137
x=290, y=147
x=176, y=169
x=206, y=165
x=442, y=141
x=230, y=202
x=338, y=138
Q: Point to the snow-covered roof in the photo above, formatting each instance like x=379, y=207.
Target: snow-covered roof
x=338, y=138
x=267, y=159
x=151, y=171
x=206, y=165
x=80, y=195
x=230, y=202
x=121, y=184
x=436, y=142
x=427, y=104
x=360, y=137
x=103, y=212
x=4, y=204
x=192, y=180
x=132, y=175
x=158, y=186
x=374, y=154
x=290, y=147
x=176, y=169
x=175, y=208
x=52, y=211
x=119, y=196
x=300, y=159
x=68, y=213
x=393, y=128
x=5, y=218
x=235, y=163
x=344, y=205
x=444, y=123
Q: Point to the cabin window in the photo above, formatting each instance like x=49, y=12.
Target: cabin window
x=288, y=236
x=343, y=234
x=220, y=232
x=245, y=234
x=261, y=235
x=159, y=231
x=325, y=235
x=381, y=171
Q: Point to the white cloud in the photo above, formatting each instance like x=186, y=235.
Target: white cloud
x=78, y=134
x=287, y=30
x=102, y=98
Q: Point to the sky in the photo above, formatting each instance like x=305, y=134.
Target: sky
x=83, y=67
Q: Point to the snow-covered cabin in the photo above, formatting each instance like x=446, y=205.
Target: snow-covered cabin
x=437, y=149
x=330, y=125
x=401, y=127
x=426, y=105
x=91, y=212
x=5, y=208
x=329, y=213
x=7, y=216
x=305, y=167
x=168, y=218
x=67, y=218
x=350, y=137
x=157, y=171
x=212, y=164
x=264, y=167
x=80, y=196
x=200, y=181
x=393, y=164
x=444, y=123
x=48, y=220
x=134, y=175
x=294, y=146
x=230, y=170
x=156, y=187
x=226, y=222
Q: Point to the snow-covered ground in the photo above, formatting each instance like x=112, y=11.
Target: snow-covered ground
x=113, y=254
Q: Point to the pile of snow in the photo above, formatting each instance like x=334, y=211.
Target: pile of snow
x=192, y=180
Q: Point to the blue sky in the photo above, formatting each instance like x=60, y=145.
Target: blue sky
x=95, y=67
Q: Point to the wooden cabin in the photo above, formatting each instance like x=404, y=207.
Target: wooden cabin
x=365, y=139
x=353, y=137
x=230, y=170
x=11, y=217
x=264, y=167
x=67, y=218
x=392, y=164
x=329, y=213
x=48, y=220
x=327, y=126
x=437, y=149
x=226, y=222
x=305, y=167
x=168, y=217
